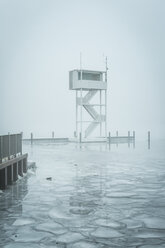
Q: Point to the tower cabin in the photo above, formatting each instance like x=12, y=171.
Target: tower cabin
x=87, y=80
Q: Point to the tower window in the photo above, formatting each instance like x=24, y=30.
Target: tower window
x=89, y=76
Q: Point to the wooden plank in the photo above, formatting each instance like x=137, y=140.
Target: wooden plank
x=47, y=139
x=12, y=161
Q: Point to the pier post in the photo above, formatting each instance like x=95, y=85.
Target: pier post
x=21, y=142
x=109, y=137
x=31, y=137
x=24, y=165
x=15, y=172
x=80, y=137
x=117, y=135
x=16, y=145
x=128, y=138
x=1, y=148
x=149, y=139
x=8, y=145
x=133, y=139
x=3, y=178
x=10, y=174
x=20, y=168
x=53, y=135
x=109, y=140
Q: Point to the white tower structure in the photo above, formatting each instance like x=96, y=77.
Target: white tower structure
x=87, y=85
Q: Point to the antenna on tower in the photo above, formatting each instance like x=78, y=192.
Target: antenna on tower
x=80, y=66
x=80, y=61
x=106, y=63
x=81, y=92
x=106, y=68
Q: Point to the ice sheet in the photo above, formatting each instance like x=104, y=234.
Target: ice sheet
x=95, y=198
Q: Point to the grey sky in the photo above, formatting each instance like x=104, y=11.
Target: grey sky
x=40, y=41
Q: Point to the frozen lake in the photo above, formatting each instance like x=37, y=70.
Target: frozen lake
x=89, y=196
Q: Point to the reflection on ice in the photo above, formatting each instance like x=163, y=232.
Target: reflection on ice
x=96, y=199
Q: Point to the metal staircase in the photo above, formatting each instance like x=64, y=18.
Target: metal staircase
x=90, y=128
x=97, y=118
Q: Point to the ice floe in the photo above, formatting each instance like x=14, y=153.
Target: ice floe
x=23, y=221
x=103, y=232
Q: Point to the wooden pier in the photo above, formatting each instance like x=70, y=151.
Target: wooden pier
x=108, y=139
x=45, y=140
x=12, y=162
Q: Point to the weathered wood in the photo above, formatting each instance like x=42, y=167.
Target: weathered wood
x=15, y=171
x=10, y=174
x=47, y=140
x=20, y=168
x=9, y=170
x=10, y=145
x=25, y=165
x=3, y=178
x=12, y=161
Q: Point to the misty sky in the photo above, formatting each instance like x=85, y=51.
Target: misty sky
x=41, y=40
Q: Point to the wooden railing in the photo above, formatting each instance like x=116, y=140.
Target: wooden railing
x=10, y=146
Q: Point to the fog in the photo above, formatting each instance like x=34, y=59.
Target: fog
x=41, y=40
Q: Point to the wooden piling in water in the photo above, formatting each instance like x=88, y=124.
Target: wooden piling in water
x=133, y=139
x=15, y=171
x=8, y=145
x=117, y=134
x=128, y=138
x=10, y=170
x=20, y=168
x=149, y=139
x=1, y=148
x=31, y=137
x=109, y=137
x=80, y=137
x=10, y=174
x=3, y=178
x=12, y=162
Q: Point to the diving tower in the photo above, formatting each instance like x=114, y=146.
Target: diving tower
x=91, y=101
